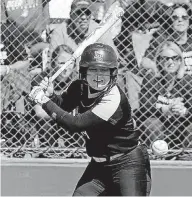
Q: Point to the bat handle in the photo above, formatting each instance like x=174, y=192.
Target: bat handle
x=69, y=62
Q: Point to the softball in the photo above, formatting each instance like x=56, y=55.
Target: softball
x=160, y=147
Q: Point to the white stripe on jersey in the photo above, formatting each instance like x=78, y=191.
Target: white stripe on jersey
x=108, y=105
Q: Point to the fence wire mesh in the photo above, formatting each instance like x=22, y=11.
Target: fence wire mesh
x=34, y=45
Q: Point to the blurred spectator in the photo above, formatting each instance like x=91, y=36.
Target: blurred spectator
x=16, y=130
x=16, y=65
x=128, y=67
x=33, y=15
x=98, y=10
x=149, y=37
x=59, y=56
x=135, y=22
x=75, y=30
x=48, y=131
x=136, y=18
x=179, y=31
x=22, y=49
x=15, y=71
x=165, y=101
x=19, y=60
x=15, y=40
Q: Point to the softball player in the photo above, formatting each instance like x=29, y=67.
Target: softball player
x=120, y=164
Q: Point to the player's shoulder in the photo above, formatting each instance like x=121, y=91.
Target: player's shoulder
x=109, y=104
x=113, y=95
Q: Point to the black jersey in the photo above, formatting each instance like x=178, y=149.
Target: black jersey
x=106, y=119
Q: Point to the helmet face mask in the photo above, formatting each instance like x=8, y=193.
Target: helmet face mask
x=98, y=77
x=98, y=66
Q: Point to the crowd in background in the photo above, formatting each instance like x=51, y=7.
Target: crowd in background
x=153, y=43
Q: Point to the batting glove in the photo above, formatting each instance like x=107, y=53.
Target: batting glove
x=38, y=95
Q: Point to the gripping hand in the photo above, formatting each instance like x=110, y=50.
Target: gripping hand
x=37, y=95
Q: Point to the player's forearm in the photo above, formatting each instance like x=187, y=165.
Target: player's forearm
x=63, y=101
x=76, y=123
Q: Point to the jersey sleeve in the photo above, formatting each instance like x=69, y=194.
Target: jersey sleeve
x=105, y=112
x=109, y=106
x=77, y=123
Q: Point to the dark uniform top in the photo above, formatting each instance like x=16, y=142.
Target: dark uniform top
x=106, y=119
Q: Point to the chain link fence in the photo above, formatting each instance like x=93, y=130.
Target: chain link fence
x=34, y=45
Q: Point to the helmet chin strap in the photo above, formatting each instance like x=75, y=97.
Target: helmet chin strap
x=96, y=94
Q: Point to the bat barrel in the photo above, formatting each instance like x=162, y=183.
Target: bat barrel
x=69, y=62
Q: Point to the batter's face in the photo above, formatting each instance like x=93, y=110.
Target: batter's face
x=97, y=77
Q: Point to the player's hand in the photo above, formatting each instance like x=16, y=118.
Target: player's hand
x=47, y=85
x=37, y=95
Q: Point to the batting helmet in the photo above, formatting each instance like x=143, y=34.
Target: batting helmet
x=99, y=54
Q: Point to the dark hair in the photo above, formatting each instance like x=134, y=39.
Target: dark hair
x=15, y=38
